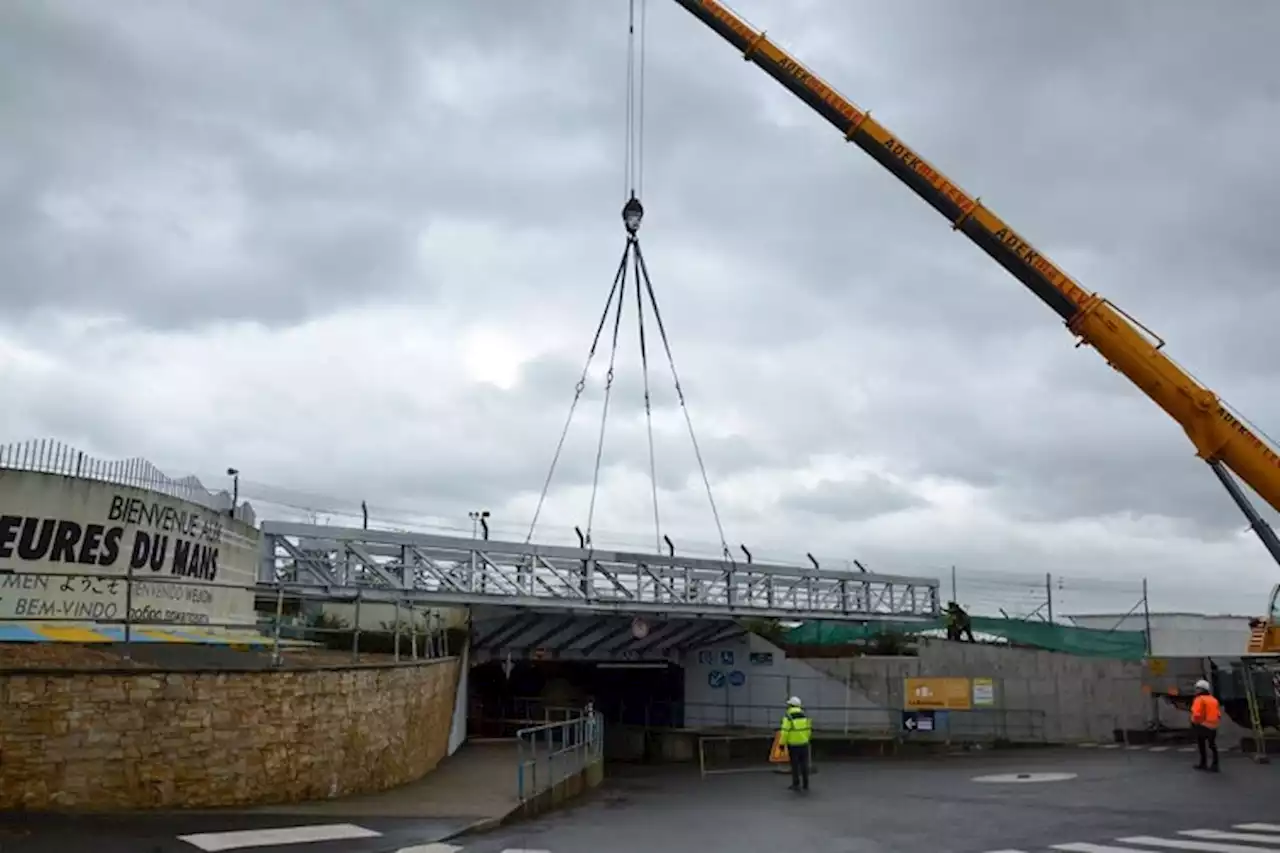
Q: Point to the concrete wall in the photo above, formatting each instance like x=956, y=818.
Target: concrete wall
x=768, y=679
x=1039, y=695
x=182, y=739
x=52, y=524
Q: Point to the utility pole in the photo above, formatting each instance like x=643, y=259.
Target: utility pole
x=234, y=474
x=1048, y=595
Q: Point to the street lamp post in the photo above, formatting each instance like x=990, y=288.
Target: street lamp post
x=234, y=474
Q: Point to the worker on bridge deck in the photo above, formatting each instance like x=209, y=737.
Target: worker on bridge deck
x=958, y=622
x=1206, y=713
x=796, y=733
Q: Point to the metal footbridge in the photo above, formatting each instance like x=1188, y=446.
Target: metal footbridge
x=416, y=568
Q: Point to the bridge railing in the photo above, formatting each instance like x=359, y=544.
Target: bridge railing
x=554, y=755
x=463, y=571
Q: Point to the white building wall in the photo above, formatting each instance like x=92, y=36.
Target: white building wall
x=1176, y=635
x=768, y=678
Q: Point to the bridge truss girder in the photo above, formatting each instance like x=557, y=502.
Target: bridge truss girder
x=448, y=570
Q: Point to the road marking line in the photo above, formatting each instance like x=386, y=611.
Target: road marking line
x=1179, y=844
x=1160, y=749
x=1111, y=746
x=1009, y=851
x=1258, y=827
x=523, y=850
x=1082, y=847
x=1134, y=748
x=1186, y=749
x=434, y=847
x=1219, y=835
x=214, y=841
x=1082, y=746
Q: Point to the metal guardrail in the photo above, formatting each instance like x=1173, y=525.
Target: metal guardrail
x=503, y=718
x=549, y=754
x=50, y=456
x=454, y=570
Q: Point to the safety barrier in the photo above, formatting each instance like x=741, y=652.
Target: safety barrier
x=560, y=758
x=50, y=456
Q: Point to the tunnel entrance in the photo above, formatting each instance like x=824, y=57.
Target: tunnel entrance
x=507, y=696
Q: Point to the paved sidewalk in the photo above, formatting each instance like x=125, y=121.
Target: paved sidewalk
x=478, y=782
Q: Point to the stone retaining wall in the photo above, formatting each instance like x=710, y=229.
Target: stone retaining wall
x=118, y=740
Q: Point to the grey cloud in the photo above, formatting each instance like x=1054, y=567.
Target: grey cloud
x=275, y=164
x=857, y=500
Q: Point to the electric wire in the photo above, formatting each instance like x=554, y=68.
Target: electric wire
x=618, y=278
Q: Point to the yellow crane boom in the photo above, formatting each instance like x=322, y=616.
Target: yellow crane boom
x=1218, y=435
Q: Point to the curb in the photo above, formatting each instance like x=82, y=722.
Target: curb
x=478, y=827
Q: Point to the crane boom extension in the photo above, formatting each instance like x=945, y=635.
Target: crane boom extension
x=1127, y=346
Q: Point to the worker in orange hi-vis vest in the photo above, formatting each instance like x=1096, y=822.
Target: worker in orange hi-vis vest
x=1206, y=712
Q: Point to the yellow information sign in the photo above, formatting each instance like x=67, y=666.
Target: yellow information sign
x=984, y=692
x=1157, y=666
x=937, y=694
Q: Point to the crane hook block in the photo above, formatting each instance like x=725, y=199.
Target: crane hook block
x=632, y=213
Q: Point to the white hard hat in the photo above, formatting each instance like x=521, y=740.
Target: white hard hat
x=794, y=700
x=1204, y=686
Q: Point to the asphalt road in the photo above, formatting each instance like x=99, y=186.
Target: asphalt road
x=929, y=806
x=925, y=806
x=233, y=832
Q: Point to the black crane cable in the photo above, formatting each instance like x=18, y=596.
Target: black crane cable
x=648, y=407
x=577, y=393
x=684, y=406
x=604, y=410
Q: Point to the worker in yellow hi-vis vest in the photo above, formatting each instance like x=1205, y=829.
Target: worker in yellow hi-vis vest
x=795, y=733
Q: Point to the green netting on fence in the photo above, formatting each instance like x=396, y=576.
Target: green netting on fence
x=1088, y=642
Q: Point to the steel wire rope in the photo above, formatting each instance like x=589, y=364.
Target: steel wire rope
x=684, y=406
x=608, y=391
x=639, y=143
x=648, y=409
x=577, y=392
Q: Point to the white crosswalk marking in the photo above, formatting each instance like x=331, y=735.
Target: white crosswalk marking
x=1160, y=749
x=1219, y=835
x=1096, y=848
x=436, y=847
x=522, y=850
x=1180, y=844
x=211, y=842
x=1242, y=838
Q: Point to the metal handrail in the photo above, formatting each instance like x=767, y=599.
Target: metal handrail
x=569, y=746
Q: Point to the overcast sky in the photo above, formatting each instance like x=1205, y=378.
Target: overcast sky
x=358, y=251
